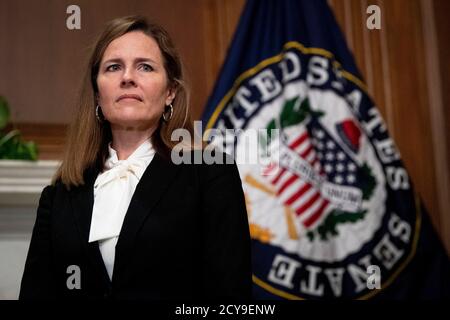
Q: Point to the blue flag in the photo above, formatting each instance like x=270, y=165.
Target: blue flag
x=331, y=208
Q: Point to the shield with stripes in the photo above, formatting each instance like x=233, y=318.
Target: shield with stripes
x=317, y=182
x=314, y=174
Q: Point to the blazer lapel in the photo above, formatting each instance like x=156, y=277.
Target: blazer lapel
x=151, y=187
x=82, y=201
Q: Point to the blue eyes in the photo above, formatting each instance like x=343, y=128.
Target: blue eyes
x=147, y=67
x=144, y=66
x=113, y=67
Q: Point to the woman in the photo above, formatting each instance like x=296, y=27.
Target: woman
x=120, y=219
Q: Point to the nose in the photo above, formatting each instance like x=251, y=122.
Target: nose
x=127, y=79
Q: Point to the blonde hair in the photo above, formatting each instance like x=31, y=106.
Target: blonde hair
x=87, y=138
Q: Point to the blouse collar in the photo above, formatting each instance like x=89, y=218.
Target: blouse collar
x=144, y=152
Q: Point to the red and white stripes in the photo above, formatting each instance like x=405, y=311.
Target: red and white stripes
x=304, y=199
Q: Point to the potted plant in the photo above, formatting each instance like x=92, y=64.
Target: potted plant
x=22, y=175
x=11, y=144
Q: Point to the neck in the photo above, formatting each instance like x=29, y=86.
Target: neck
x=126, y=140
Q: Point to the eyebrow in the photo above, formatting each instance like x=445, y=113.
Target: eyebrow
x=135, y=60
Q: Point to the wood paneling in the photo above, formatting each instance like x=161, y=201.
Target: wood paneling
x=437, y=28
x=221, y=18
x=44, y=61
x=441, y=10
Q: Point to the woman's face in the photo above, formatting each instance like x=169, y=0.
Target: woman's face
x=132, y=82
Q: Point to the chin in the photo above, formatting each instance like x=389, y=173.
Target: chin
x=133, y=122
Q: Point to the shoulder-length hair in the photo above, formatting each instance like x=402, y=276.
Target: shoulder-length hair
x=87, y=138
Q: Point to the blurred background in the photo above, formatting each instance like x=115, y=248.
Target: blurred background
x=405, y=65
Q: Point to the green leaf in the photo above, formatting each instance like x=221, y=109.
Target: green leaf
x=13, y=147
x=10, y=136
x=32, y=150
x=289, y=115
x=328, y=227
x=366, y=175
x=4, y=112
x=11, y=144
x=293, y=113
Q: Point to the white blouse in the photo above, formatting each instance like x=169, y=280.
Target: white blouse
x=113, y=190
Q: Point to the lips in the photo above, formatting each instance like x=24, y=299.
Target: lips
x=130, y=96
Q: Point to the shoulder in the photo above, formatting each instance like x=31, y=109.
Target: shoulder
x=47, y=197
x=53, y=190
x=49, y=191
x=205, y=166
x=215, y=165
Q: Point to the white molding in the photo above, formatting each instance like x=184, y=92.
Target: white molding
x=21, y=181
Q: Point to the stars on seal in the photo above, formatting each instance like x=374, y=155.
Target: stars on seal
x=338, y=179
x=336, y=164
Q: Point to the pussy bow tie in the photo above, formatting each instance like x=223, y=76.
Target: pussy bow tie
x=120, y=170
x=114, y=189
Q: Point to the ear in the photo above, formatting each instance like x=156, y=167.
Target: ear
x=171, y=93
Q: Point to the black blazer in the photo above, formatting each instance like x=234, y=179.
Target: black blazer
x=185, y=236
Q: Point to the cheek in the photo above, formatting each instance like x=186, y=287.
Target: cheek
x=106, y=89
x=156, y=94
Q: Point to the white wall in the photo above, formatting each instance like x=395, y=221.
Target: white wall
x=21, y=184
x=16, y=224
